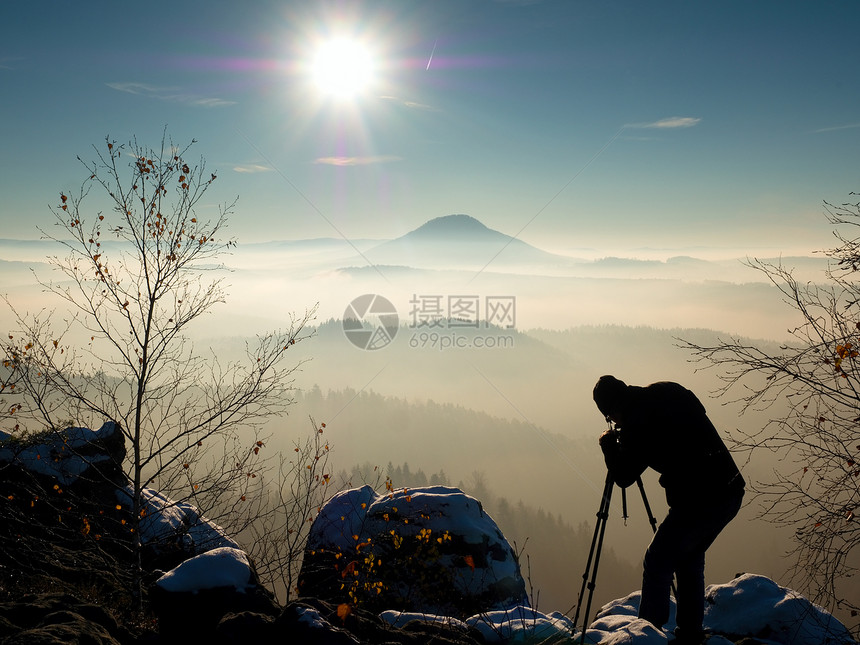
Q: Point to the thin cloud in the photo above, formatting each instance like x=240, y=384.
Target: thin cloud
x=835, y=128
x=412, y=105
x=6, y=63
x=251, y=168
x=356, y=161
x=672, y=122
x=168, y=94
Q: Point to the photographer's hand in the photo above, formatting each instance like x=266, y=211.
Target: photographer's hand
x=608, y=439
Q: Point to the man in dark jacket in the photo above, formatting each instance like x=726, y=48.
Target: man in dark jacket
x=664, y=426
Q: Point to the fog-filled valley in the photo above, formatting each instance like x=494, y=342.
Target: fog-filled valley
x=522, y=429
x=495, y=396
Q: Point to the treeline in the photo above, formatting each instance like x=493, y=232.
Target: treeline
x=370, y=427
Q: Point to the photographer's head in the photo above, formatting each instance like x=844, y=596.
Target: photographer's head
x=610, y=395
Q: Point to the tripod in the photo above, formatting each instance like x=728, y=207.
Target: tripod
x=597, y=544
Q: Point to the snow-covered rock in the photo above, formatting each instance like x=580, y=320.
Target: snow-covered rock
x=171, y=525
x=430, y=550
x=191, y=599
x=67, y=455
x=748, y=606
x=756, y=606
x=222, y=567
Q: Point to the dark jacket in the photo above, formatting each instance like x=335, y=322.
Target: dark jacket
x=665, y=428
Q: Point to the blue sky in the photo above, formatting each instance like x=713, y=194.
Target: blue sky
x=572, y=123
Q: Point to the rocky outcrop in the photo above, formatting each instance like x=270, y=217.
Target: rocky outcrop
x=70, y=457
x=431, y=549
x=59, y=619
x=208, y=587
x=405, y=567
x=314, y=621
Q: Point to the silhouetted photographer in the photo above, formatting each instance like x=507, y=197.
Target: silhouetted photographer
x=664, y=426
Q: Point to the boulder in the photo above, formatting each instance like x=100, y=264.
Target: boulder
x=247, y=627
x=172, y=532
x=431, y=550
x=74, y=456
x=755, y=606
x=192, y=599
x=58, y=618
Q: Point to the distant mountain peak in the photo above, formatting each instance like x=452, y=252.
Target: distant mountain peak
x=455, y=227
x=457, y=240
x=452, y=224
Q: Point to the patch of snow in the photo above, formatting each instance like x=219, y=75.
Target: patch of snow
x=443, y=508
x=749, y=605
x=361, y=514
x=78, y=437
x=166, y=520
x=400, y=618
x=756, y=605
x=344, y=515
x=619, y=620
x=630, y=632
x=223, y=567
x=521, y=625
x=312, y=618
x=57, y=458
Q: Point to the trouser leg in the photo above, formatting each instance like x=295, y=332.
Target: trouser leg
x=691, y=593
x=679, y=545
x=657, y=570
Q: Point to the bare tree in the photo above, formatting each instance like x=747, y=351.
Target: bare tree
x=814, y=383
x=283, y=517
x=134, y=277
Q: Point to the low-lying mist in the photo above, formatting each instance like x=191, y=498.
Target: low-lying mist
x=497, y=399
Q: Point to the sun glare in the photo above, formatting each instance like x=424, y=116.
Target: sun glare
x=342, y=68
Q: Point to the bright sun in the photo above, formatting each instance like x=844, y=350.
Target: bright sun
x=342, y=68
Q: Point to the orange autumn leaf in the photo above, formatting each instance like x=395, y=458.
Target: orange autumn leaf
x=470, y=561
x=348, y=570
x=343, y=610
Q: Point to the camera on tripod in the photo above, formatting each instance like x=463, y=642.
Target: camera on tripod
x=610, y=437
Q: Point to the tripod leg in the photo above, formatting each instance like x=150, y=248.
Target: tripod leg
x=624, y=515
x=596, y=547
x=651, y=517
